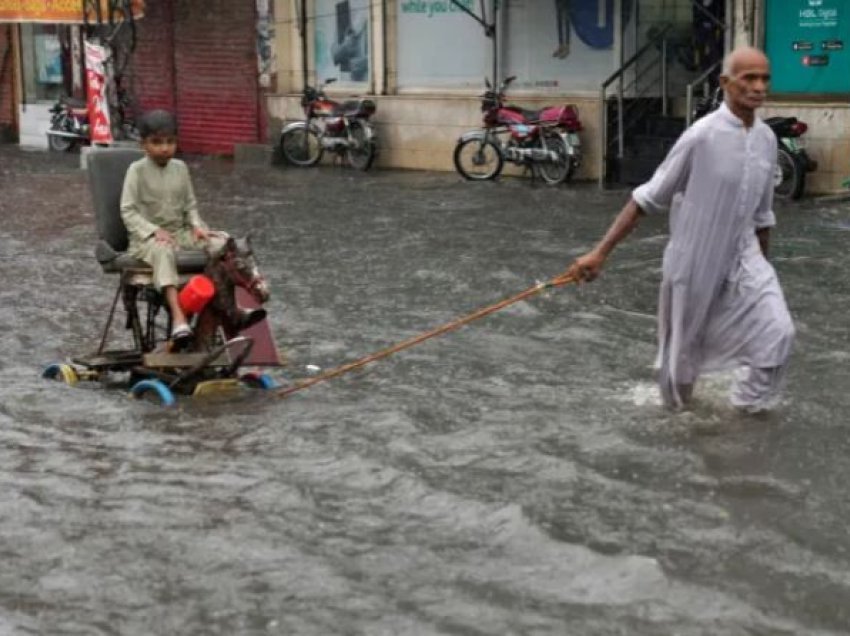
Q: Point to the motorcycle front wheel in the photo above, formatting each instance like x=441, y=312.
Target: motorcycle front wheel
x=789, y=177
x=554, y=172
x=301, y=146
x=478, y=159
x=58, y=143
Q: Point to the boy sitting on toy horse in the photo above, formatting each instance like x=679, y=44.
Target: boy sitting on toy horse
x=160, y=211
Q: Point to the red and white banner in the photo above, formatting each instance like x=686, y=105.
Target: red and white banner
x=98, y=105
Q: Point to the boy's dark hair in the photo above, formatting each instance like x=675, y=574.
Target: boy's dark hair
x=157, y=122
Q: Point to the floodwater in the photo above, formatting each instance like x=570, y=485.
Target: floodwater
x=517, y=476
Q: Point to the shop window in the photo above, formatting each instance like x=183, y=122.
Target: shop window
x=561, y=44
x=440, y=45
x=342, y=42
x=45, y=61
x=548, y=44
x=808, y=43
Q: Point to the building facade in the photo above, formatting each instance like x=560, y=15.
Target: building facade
x=426, y=60
x=197, y=58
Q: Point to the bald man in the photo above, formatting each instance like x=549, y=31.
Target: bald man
x=720, y=303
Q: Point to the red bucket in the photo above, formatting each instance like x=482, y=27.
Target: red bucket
x=196, y=294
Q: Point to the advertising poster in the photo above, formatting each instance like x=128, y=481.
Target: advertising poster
x=807, y=43
x=98, y=106
x=342, y=47
x=561, y=44
x=440, y=45
x=558, y=44
x=48, y=58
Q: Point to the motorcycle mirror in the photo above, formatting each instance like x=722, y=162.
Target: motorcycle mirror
x=330, y=80
x=510, y=79
x=487, y=82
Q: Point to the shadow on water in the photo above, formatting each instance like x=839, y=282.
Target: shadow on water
x=515, y=477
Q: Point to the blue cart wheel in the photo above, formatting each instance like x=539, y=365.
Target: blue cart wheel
x=259, y=381
x=62, y=372
x=166, y=397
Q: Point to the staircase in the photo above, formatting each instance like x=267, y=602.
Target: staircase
x=637, y=124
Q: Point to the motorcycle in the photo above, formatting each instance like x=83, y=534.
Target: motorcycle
x=792, y=161
x=341, y=127
x=545, y=141
x=69, y=124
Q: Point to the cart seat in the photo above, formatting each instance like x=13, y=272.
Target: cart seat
x=107, y=167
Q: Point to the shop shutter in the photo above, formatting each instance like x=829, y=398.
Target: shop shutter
x=7, y=80
x=215, y=66
x=151, y=74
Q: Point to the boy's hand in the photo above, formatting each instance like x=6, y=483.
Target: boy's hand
x=164, y=237
x=200, y=234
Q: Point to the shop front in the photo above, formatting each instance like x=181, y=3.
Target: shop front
x=427, y=60
x=197, y=58
x=43, y=63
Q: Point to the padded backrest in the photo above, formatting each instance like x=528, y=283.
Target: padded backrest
x=107, y=167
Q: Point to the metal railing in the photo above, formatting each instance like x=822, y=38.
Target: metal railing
x=689, y=92
x=658, y=44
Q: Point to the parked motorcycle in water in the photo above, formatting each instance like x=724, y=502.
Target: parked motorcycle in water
x=341, y=127
x=69, y=124
x=546, y=141
x=792, y=161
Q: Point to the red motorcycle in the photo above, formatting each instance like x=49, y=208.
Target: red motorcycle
x=545, y=141
x=342, y=127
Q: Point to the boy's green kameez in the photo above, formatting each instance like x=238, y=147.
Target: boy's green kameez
x=161, y=197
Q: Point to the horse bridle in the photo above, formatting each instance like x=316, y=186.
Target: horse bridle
x=240, y=279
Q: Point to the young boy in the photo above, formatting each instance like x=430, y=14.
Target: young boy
x=160, y=211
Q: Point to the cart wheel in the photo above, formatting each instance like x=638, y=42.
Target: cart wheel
x=259, y=381
x=166, y=397
x=64, y=372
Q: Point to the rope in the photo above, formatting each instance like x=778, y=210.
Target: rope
x=558, y=281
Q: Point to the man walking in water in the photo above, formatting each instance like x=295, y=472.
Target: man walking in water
x=720, y=303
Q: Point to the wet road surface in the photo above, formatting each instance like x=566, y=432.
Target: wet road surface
x=515, y=477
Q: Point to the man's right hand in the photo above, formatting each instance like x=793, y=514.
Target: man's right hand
x=164, y=237
x=586, y=267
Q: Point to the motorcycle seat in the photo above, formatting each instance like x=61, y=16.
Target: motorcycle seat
x=74, y=103
x=106, y=168
x=528, y=114
x=356, y=107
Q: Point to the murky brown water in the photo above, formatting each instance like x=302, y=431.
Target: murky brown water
x=515, y=477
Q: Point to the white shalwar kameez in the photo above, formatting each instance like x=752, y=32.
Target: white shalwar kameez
x=720, y=304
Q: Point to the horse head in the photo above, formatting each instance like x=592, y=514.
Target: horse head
x=237, y=263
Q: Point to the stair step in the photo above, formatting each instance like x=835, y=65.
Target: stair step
x=665, y=126
x=635, y=170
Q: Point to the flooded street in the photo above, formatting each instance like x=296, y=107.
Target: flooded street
x=517, y=476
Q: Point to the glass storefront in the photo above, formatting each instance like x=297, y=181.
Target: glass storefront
x=342, y=42
x=552, y=45
x=46, y=61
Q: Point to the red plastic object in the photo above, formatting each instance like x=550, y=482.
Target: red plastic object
x=196, y=294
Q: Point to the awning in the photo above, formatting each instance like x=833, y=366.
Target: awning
x=57, y=11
